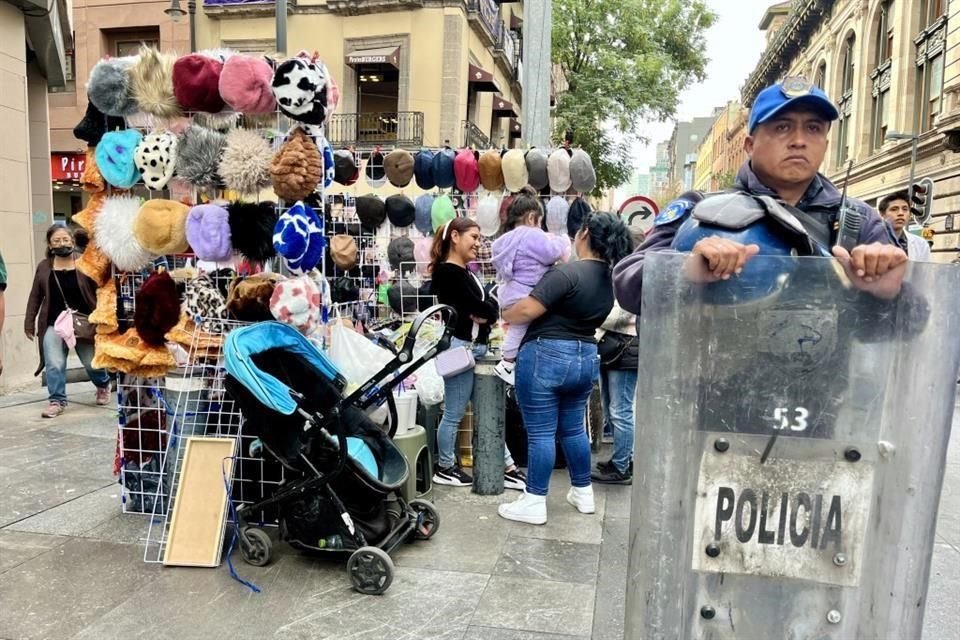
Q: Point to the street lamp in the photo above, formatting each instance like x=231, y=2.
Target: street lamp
x=175, y=11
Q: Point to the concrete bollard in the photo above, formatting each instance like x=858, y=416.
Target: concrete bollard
x=489, y=406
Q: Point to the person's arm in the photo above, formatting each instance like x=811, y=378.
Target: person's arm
x=525, y=311
x=33, y=307
x=546, y=248
x=551, y=288
x=628, y=274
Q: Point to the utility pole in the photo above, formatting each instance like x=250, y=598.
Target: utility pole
x=281, y=45
x=537, y=27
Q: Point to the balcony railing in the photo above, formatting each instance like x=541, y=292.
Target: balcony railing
x=401, y=129
x=474, y=137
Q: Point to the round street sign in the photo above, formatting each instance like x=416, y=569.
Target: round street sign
x=638, y=213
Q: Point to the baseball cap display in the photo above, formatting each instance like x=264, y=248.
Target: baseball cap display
x=343, y=251
x=443, y=174
x=423, y=169
x=372, y=211
x=400, y=210
x=398, y=166
x=792, y=92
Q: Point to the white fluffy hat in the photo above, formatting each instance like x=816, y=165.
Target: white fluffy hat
x=113, y=233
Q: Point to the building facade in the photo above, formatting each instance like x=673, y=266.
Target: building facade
x=411, y=73
x=703, y=172
x=892, y=67
x=684, y=141
x=35, y=38
x=660, y=172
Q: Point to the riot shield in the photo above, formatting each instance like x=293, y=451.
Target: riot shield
x=790, y=447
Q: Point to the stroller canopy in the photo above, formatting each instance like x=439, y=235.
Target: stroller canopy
x=242, y=344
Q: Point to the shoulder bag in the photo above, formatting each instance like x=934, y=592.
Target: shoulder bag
x=82, y=329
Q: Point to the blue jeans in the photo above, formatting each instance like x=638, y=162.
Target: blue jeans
x=554, y=380
x=457, y=392
x=55, y=362
x=618, y=388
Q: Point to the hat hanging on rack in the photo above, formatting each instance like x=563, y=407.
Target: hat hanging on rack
x=196, y=83
x=208, y=232
x=156, y=158
x=161, y=227
x=113, y=233
x=400, y=252
x=558, y=170
x=491, y=170
x=372, y=212
x=249, y=297
x=300, y=88
x=421, y=253
x=557, y=208
x=401, y=211
x=488, y=215
x=198, y=157
x=245, y=163
x=345, y=170
x=297, y=168
x=423, y=169
x=536, y=161
x=94, y=124
x=245, y=84
x=151, y=82
x=296, y=302
x=251, y=229
x=109, y=86
x=329, y=165
x=114, y=157
x=375, y=172
x=157, y=308
x=514, y=170
x=443, y=173
x=421, y=217
x=92, y=180
x=343, y=251
x=442, y=211
x=582, y=176
x=398, y=165
x=298, y=238
x=466, y=173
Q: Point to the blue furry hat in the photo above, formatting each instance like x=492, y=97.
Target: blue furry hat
x=115, y=158
x=298, y=238
x=109, y=86
x=329, y=169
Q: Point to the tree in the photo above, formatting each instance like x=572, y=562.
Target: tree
x=622, y=61
x=725, y=179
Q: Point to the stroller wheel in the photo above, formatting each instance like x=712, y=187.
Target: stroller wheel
x=258, y=546
x=371, y=570
x=428, y=519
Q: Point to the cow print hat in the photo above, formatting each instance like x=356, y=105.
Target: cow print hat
x=156, y=157
x=300, y=87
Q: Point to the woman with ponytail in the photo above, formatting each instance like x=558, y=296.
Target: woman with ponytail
x=558, y=364
x=454, y=246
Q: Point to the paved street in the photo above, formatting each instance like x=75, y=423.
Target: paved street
x=71, y=565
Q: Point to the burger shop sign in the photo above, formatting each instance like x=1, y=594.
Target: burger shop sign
x=67, y=167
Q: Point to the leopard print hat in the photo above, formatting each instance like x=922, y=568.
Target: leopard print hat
x=156, y=157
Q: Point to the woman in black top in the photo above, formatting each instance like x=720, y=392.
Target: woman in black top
x=455, y=246
x=58, y=286
x=558, y=364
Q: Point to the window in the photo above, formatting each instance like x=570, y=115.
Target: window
x=931, y=45
x=880, y=74
x=820, y=77
x=127, y=42
x=132, y=47
x=846, y=99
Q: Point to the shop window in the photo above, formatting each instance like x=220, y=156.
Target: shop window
x=846, y=99
x=931, y=46
x=880, y=74
x=820, y=77
x=127, y=42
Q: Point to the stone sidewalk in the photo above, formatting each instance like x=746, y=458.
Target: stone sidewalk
x=71, y=565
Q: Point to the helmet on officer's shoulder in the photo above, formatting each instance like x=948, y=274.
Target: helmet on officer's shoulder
x=765, y=275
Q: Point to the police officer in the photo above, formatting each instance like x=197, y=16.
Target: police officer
x=788, y=130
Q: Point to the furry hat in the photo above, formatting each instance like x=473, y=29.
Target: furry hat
x=297, y=168
x=151, y=81
x=196, y=83
x=94, y=264
x=157, y=308
x=329, y=166
x=298, y=238
x=114, y=157
x=245, y=84
x=208, y=232
x=558, y=170
x=94, y=124
x=249, y=298
x=245, y=165
x=104, y=315
x=421, y=219
x=465, y=170
x=557, y=209
x=488, y=215
x=92, y=180
x=156, y=158
x=205, y=304
x=491, y=170
x=251, y=229
x=198, y=157
x=300, y=88
x=160, y=227
x=113, y=233
x=109, y=86
x=514, y=167
x=296, y=302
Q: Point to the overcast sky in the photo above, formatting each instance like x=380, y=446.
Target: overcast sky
x=734, y=45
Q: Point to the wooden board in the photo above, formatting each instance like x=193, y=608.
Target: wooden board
x=200, y=503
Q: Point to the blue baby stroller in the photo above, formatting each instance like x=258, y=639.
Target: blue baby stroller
x=343, y=472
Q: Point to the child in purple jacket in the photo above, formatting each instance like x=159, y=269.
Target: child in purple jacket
x=522, y=255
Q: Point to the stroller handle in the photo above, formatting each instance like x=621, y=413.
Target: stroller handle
x=450, y=320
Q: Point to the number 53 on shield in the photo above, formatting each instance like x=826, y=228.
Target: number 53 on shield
x=790, y=419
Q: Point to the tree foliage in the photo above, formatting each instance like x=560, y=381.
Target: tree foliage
x=622, y=61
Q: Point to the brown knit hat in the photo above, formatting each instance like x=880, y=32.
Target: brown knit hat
x=297, y=168
x=491, y=172
x=161, y=227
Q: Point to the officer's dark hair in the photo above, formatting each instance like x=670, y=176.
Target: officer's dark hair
x=896, y=195
x=608, y=236
x=524, y=203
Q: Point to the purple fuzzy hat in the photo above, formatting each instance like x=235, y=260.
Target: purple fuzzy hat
x=208, y=232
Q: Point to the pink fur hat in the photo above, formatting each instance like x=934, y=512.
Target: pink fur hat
x=245, y=84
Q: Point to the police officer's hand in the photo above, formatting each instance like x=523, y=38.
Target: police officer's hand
x=875, y=268
x=715, y=258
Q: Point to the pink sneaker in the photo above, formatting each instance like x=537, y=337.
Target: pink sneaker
x=53, y=410
x=103, y=395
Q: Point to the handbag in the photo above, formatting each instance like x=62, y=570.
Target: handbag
x=82, y=329
x=612, y=346
x=455, y=361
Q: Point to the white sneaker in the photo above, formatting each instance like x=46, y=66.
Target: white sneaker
x=527, y=508
x=504, y=371
x=582, y=499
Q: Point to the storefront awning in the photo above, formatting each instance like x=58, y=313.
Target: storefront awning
x=383, y=55
x=482, y=80
x=516, y=129
x=503, y=108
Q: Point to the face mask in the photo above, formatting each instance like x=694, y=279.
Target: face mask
x=63, y=252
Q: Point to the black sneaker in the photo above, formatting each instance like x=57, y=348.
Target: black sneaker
x=514, y=479
x=453, y=476
x=611, y=476
x=605, y=465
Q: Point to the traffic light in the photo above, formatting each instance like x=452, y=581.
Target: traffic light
x=921, y=200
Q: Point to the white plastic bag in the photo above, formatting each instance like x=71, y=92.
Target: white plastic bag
x=355, y=356
x=429, y=384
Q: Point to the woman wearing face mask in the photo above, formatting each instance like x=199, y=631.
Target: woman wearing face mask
x=58, y=286
x=455, y=246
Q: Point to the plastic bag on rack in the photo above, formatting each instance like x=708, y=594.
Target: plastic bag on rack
x=355, y=356
x=429, y=384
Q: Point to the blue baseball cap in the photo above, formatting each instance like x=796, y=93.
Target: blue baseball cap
x=793, y=91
